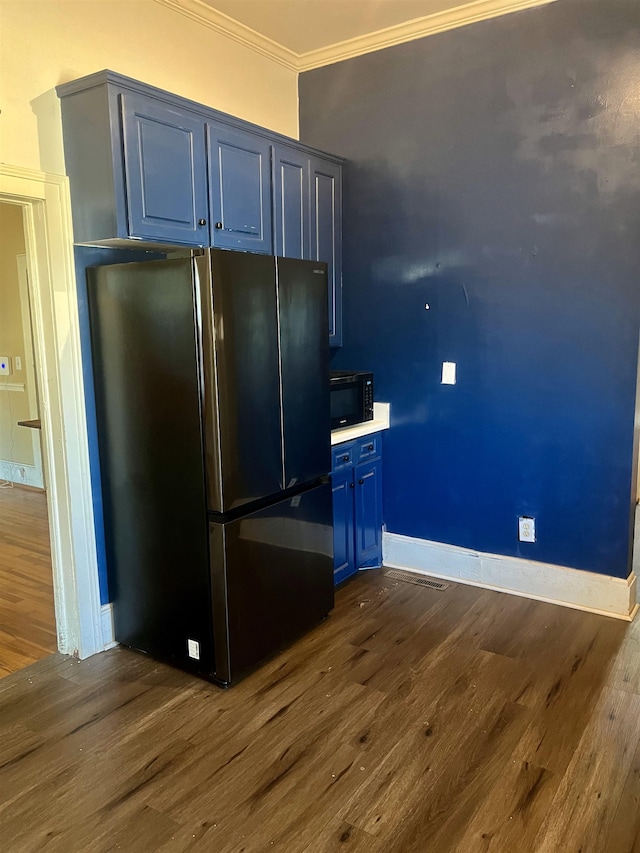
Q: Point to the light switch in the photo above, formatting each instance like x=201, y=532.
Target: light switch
x=448, y=373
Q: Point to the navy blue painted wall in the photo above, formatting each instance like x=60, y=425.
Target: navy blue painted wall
x=86, y=257
x=494, y=174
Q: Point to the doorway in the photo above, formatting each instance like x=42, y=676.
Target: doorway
x=82, y=625
x=27, y=615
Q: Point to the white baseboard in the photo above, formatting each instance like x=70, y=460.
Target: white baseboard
x=581, y=590
x=21, y=474
x=106, y=619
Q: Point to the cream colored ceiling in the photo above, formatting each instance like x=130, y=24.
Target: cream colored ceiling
x=303, y=34
x=306, y=25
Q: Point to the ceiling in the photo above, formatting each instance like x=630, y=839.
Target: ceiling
x=303, y=34
x=306, y=25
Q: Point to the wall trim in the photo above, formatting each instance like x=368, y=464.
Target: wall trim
x=46, y=207
x=460, y=16
x=11, y=386
x=108, y=631
x=603, y=594
x=450, y=19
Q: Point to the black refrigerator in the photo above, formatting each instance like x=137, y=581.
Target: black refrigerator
x=211, y=377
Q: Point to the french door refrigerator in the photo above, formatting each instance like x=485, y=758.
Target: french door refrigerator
x=211, y=377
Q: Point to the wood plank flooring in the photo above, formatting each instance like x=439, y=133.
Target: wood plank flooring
x=410, y=721
x=27, y=620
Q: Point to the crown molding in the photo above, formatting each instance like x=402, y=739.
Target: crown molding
x=460, y=16
x=229, y=27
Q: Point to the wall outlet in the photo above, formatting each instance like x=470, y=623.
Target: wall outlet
x=5, y=365
x=526, y=528
x=18, y=362
x=18, y=474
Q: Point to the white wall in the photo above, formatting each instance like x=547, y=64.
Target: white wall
x=52, y=42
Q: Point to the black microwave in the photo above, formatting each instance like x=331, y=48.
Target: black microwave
x=351, y=398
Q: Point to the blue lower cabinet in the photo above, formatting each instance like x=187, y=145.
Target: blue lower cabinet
x=357, y=506
x=344, y=563
x=368, y=498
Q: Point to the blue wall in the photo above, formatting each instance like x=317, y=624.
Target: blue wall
x=87, y=257
x=494, y=174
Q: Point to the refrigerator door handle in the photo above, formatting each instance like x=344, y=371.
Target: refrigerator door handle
x=208, y=379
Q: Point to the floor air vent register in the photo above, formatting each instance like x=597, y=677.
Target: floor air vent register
x=412, y=577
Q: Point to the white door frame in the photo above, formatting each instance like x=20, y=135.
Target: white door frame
x=46, y=206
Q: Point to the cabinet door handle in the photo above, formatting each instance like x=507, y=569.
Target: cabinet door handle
x=218, y=225
x=369, y=446
x=202, y=221
x=345, y=458
x=352, y=485
x=361, y=481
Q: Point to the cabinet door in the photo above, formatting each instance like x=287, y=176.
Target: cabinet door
x=291, y=209
x=239, y=189
x=165, y=171
x=368, y=487
x=326, y=234
x=343, y=524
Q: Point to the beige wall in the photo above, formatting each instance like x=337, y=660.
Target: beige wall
x=46, y=43
x=15, y=442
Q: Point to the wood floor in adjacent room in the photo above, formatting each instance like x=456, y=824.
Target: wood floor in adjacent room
x=27, y=619
x=411, y=721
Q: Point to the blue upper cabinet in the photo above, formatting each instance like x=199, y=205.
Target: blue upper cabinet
x=326, y=234
x=307, y=204
x=291, y=207
x=136, y=164
x=148, y=168
x=239, y=189
x=165, y=171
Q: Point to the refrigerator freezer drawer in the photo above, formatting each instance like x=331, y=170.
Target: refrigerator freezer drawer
x=272, y=579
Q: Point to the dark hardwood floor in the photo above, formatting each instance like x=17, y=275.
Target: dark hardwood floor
x=27, y=619
x=411, y=721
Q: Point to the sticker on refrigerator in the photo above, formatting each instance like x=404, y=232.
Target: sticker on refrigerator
x=194, y=649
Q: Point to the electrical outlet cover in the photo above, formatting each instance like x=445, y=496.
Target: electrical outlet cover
x=526, y=529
